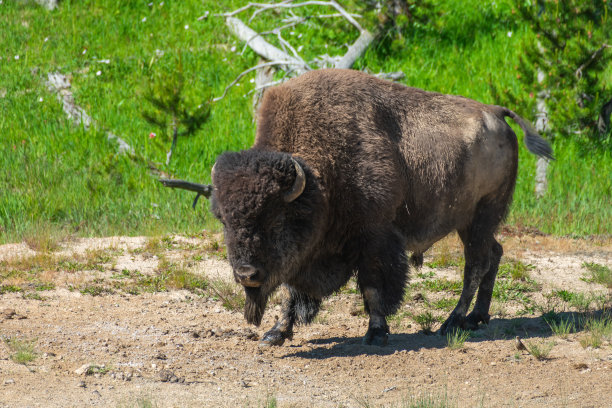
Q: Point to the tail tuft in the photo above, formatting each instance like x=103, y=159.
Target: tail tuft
x=534, y=142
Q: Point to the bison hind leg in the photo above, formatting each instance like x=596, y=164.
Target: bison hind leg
x=482, y=255
x=416, y=259
x=480, y=313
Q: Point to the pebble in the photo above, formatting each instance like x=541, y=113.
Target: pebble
x=168, y=376
x=9, y=381
x=82, y=369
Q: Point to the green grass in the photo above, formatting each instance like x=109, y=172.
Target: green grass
x=540, y=350
x=426, y=321
x=599, y=274
x=231, y=295
x=22, y=351
x=597, y=330
x=456, y=339
x=561, y=327
x=59, y=179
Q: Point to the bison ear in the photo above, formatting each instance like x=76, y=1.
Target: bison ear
x=298, y=185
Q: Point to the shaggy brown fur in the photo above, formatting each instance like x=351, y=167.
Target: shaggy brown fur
x=388, y=169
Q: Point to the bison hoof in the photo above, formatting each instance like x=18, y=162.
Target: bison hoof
x=453, y=323
x=376, y=337
x=473, y=319
x=272, y=338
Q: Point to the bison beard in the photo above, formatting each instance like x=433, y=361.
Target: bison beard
x=349, y=172
x=255, y=304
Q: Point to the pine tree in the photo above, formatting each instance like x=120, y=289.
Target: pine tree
x=173, y=113
x=564, y=66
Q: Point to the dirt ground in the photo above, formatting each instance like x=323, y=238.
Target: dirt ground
x=176, y=348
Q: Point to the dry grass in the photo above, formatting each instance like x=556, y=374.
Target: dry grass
x=230, y=294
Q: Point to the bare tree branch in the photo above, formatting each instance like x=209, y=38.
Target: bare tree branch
x=356, y=50
x=595, y=55
x=289, y=4
x=258, y=44
x=243, y=73
x=61, y=84
x=289, y=59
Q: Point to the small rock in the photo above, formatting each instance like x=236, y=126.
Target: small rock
x=97, y=393
x=9, y=381
x=82, y=384
x=82, y=369
x=581, y=366
x=161, y=356
x=167, y=376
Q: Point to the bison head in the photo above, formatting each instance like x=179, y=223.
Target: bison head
x=266, y=202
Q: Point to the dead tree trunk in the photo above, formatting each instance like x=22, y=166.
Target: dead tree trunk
x=541, y=125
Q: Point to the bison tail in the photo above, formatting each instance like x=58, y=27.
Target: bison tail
x=534, y=142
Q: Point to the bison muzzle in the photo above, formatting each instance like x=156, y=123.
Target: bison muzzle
x=347, y=174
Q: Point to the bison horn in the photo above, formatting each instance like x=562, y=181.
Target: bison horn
x=298, y=185
x=212, y=172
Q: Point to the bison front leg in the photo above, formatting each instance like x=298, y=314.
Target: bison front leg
x=297, y=308
x=382, y=274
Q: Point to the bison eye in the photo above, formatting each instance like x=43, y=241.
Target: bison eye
x=277, y=223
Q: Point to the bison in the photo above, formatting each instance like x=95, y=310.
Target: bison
x=349, y=172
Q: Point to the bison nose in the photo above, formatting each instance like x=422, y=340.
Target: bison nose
x=248, y=275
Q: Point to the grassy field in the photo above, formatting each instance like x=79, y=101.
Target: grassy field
x=59, y=179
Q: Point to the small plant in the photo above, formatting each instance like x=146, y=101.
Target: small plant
x=564, y=295
x=231, y=295
x=183, y=279
x=271, y=402
x=456, y=339
x=598, y=329
x=443, y=285
x=42, y=240
x=23, y=351
x=561, y=327
x=425, y=275
x=9, y=289
x=540, y=350
x=599, y=274
x=95, y=290
x=426, y=321
x=581, y=302
x=444, y=304
x=515, y=270
x=396, y=321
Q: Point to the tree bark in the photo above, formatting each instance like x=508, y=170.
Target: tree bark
x=541, y=125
